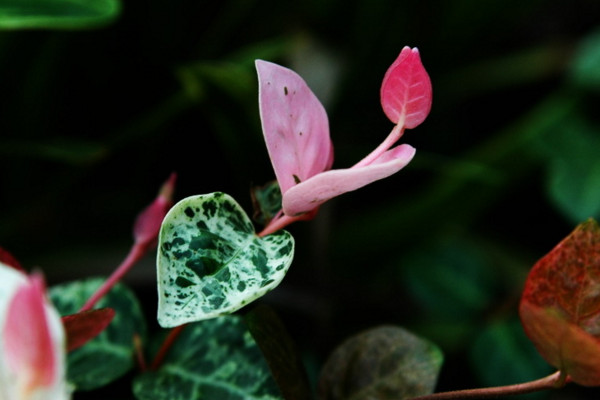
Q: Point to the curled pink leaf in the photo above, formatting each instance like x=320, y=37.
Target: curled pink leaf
x=322, y=187
x=406, y=92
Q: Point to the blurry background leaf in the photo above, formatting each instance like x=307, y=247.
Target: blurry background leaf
x=573, y=176
x=585, y=65
x=382, y=363
x=280, y=352
x=213, y=359
x=57, y=14
x=503, y=355
x=110, y=354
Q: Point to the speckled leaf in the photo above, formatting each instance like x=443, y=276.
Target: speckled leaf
x=387, y=362
x=57, y=14
x=110, y=354
x=560, y=306
x=214, y=359
x=211, y=262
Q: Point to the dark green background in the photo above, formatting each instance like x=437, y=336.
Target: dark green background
x=93, y=121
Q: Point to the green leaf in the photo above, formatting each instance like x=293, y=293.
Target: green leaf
x=452, y=280
x=210, y=261
x=57, y=14
x=280, y=351
x=214, y=359
x=502, y=354
x=585, y=67
x=110, y=354
x=573, y=180
x=387, y=362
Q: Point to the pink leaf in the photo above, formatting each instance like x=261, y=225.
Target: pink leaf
x=315, y=191
x=295, y=125
x=86, y=325
x=406, y=90
x=28, y=344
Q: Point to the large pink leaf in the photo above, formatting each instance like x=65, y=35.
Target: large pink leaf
x=406, y=90
x=327, y=185
x=294, y=124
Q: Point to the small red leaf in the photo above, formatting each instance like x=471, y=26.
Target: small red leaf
x=84, y=326
x=8, y=259
x=406, y=92
x=560, y=307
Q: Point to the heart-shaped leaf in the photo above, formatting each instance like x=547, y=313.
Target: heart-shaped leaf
x=211, y=262
x=560, y=307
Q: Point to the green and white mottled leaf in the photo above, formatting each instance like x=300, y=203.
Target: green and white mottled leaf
x=110, y=354
x=57, y=14
x=210, y=261
x=214, y=359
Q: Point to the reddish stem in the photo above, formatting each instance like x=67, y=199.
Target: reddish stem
x=554, y=381
x=389, y=141
x=279, y=223
x=135, y=254
x=166, y=346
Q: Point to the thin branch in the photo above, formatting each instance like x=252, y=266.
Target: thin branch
x=554, y=381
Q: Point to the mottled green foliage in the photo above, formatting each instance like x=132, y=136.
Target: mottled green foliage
x=210, y=261
x=214, y=359
x=111, y=354
x=57, y=14
x=387, y=362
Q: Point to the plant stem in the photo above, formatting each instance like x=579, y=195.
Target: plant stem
x=389, y=141
x=553, y=381
x=166, y=346
x=135, y=254
x=281, y=222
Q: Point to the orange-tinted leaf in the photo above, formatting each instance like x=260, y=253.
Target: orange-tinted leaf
x=560, y=307
x=84, y=326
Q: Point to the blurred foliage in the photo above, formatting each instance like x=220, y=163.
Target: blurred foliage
x=93, y=120
x=57, y=14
